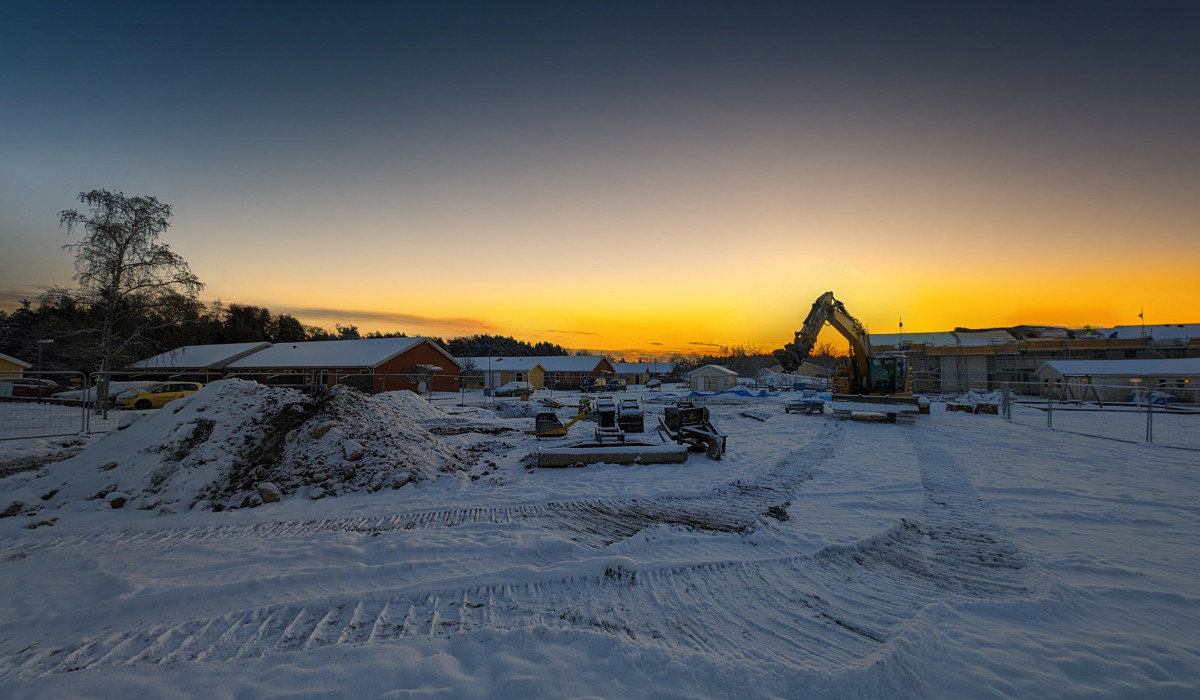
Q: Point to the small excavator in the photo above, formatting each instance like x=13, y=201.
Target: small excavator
x=872, y=383
x=547, y=425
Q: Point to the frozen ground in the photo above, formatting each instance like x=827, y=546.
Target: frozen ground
x=959, y=557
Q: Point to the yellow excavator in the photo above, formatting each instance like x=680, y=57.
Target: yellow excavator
x=877, y=383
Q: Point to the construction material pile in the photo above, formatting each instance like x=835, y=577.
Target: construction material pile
x=238, y=444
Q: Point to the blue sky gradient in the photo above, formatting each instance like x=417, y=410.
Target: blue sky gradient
x=374, y=161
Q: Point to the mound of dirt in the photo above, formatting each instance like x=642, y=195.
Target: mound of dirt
x=439, y=422
x=517, y=409
x=239, y=444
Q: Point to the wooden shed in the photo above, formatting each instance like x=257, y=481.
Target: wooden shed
x=712, y=378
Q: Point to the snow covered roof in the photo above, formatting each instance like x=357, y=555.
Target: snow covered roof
x=1185, y=367
x=365, y=352
x=943, y=338
x=502, y=364
x=200, y=356
x=1161, y=331
x=982, y=338
x=894, y=339
x=572, y=363
x=713, y=369
x=15, y=361
x=633, y=368
x=639, y=367
x=550, y=363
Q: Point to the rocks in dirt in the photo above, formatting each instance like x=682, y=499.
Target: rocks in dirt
x=269, y=492
x=14, y=508
x=779, y=513
x=319, y=432
x=116, y=499
x=353, y=450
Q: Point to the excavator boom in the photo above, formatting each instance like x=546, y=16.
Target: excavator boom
x=826, y=309
x=870, y=375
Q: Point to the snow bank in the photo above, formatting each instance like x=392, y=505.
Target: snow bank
x=237, y=444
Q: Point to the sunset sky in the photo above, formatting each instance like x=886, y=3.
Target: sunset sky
x=641, y=178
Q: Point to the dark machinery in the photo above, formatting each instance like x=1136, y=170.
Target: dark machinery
x=880, y=379
x=689, y=424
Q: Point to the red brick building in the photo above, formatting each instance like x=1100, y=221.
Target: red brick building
x=371, y=364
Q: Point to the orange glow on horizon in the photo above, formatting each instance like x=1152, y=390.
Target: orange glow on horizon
x=659, y=320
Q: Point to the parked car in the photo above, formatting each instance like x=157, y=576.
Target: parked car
x=515, y=389
x=615, y=385
x=156, y=396
x=30, y=388
x=590, y=384
x=75, y=397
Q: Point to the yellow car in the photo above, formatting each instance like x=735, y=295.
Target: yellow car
x=157, y=395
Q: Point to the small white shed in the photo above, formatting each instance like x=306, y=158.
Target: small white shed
x=712, y=378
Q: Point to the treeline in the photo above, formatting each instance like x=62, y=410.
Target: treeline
x=66, y=331
x=176, y=320
x=500, y=346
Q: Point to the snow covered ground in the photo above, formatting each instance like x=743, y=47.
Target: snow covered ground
x=416, y=554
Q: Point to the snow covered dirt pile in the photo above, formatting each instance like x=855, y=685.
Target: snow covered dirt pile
x=240, y=444
x=439, y=422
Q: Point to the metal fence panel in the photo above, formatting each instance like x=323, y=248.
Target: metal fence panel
x=1163, y=415
x=29, y=407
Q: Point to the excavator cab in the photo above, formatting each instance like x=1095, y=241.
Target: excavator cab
x=888, y=374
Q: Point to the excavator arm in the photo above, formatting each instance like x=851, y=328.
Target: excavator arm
x=827, y=309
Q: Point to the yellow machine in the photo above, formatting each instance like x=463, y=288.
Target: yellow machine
x=547, y=424
x=877, y=379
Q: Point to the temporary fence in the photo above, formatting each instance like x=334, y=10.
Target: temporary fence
x=1167, y=414
x=42, y=404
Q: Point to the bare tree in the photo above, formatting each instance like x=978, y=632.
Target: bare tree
x=120, y=264
x=825, y=355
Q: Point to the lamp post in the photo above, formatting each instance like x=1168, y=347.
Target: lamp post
x=40, y=343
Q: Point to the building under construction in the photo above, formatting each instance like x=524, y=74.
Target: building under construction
x=983, y=359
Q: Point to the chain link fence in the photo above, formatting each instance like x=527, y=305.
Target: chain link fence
x=1166, y=414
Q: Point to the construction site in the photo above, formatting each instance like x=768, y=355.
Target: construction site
x=974, y=360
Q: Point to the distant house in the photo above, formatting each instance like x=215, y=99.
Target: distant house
x=560, y=372
x=1114, y=379
x=564, y=371
x=641, y=372
x=632, y=372
x=712, y=378
x=493, y=372
x=11, y=366
x=200, y=363
x=369, y=364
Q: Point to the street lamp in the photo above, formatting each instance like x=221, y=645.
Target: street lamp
x=40, y=343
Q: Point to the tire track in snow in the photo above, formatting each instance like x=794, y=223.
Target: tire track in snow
x=595, y=523
x=793, y=612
